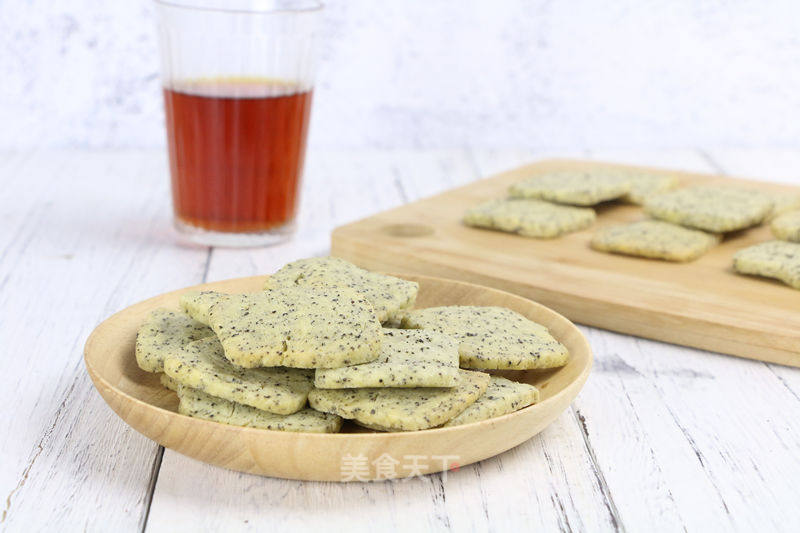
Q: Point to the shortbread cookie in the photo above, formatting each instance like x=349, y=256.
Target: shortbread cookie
x=197, y=303
x=654, y=239
x=396, y=409
x=529, y=217
x=198, y=404
x=201, y=365
x=162, y=333
x=574, y=187
x=716, y=209
x=502, y=396
x=409, y=358
x=387, y=294
x=644, y=185
x=492, y=337
x=783, y=203
x=787, y=226
x=772, y=259
x=301, y=327
x=168, y=382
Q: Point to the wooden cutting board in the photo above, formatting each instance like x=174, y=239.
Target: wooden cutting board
x=703, y=304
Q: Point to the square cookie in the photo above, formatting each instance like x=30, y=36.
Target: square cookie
x=201, y=365
x=299, y=327
x=502, y=396
x=196, y=304
x=165, y=332
x=387, y=294
x=772, y=259
x=644, y=185
x=574, y=187
x=783, y=203
x=409, y=358
x=492, y=337
x=395, y=409
x=654, y=239
x=529, y=217
x=198, y=404
x=786, y=226
x=168, y=383
x=716, y=209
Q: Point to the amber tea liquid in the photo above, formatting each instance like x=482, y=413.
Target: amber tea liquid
x=236, y=152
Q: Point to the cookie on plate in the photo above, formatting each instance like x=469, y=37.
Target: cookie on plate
x=574, y=187
x=409, y=358
x=165, y=332
x=397, y=409
x=197, y=303
x=198, y=404
x=716, y=209
x=492, y=337
x=299, y=327
x=168, y=382
x=502, y=396
x=529, y=217
x=772, y=259
x=201, y=365
x=787, y=226
x=654, y=239
x=387, y=294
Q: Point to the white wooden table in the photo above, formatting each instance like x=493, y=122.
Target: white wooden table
x=662, y=438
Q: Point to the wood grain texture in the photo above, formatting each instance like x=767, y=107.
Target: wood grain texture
x=82, y=236
x=701, y=304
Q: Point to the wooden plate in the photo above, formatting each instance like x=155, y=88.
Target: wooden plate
x=139, y=399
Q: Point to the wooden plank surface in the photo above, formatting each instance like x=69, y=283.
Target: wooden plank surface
x=662, y=438
x=83, y=235
x=702, y=303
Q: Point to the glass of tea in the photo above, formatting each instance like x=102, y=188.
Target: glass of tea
x=238, y=79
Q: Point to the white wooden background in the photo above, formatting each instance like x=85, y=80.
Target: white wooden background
x=437, y=73
x=662, y=438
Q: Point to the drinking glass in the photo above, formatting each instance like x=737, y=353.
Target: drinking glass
x=237, y=78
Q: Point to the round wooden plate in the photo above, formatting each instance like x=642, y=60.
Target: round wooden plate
x=140, y=400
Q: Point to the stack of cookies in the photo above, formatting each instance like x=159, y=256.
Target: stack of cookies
x=327, y=341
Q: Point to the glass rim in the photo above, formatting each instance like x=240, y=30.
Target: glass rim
x=312, y=6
